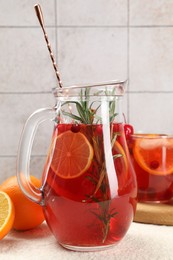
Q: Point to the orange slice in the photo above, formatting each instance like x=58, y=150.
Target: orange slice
x=6, y=214
x=119, y=150
x=72, y=155
x=121, y=163
x=154, y=154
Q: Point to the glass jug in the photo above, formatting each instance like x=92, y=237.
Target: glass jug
x=88, y=191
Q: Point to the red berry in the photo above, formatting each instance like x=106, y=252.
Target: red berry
x=75, y=128
x=128, y=129
x=154, y=165
x=99, y=130
x=116, y=128
x=62, y=128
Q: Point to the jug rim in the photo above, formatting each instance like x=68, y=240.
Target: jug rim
x=151, y=136
x=119, y=84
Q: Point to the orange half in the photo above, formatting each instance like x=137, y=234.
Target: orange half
x=7, y=214
x=154, y=154
x=72, y=155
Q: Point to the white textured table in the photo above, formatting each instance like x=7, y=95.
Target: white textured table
x=143, y=241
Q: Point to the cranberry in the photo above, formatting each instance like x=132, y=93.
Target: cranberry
x=61, y=128
x=99, y=130
x=116, y=128
x=128, y=129
x=75, y=128
x=154, y=165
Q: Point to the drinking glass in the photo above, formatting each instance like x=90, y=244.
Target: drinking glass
x=152, y=158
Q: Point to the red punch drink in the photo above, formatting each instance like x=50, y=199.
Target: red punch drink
x=82, y=207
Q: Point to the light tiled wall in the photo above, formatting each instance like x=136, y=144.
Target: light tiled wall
x=93, y=41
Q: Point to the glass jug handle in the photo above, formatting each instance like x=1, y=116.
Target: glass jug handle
x=24, y=152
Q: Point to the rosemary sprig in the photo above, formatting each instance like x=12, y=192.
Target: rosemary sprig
x=85, y=111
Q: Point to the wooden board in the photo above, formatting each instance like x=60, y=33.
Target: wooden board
x=160, y=214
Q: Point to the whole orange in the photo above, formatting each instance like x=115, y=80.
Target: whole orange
x=27, y=213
